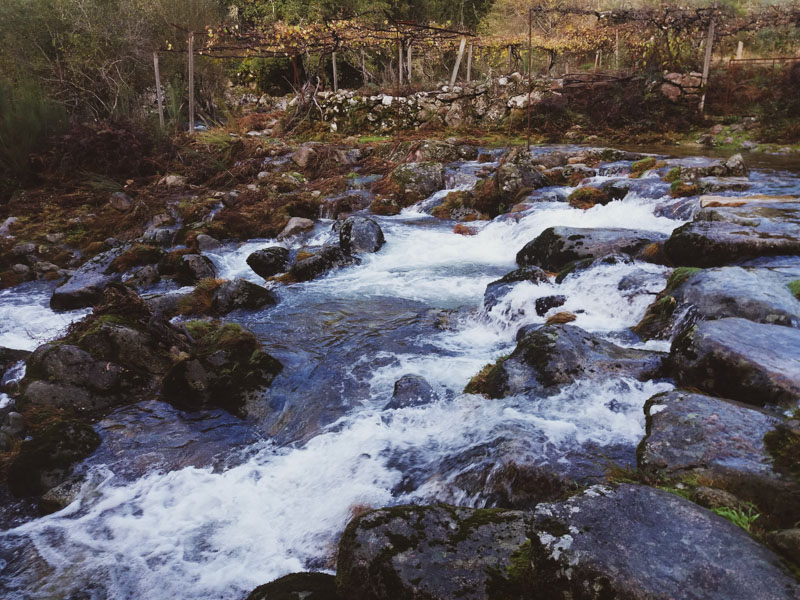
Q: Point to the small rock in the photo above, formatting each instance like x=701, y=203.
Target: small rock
x=206, y=243
x=295, y=226
x=121, y=201
x=411, y=390
x=360, y=234
x=194, y=267
x=173, y=181
x=5, y=228
x=303, y=156
x=547, y=302
x=269, y=261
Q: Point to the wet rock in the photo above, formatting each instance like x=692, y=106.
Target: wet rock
x=518, y=173
x=145, y=277
x=121, y=202
x=755, y=294
x=9, y=357
x=715, y=185
x=497, y=289
x=360, y=234
x=721, y=442
x=723, y=235
x=556, y=247
x=550, y=356
x=206, y=243
x=269, y=261
x=680, y=210
x=787, y=542
x=417, y=180
x=225, y=367
x=545, y=303
x=588, y=197
x=295, y=226
x=733, y=167
x=85, y=287
x=46, y=460
x=298, y=586
x=411, y=390
x=60, y=496
x=241, y=294
x=8, y=224
x=754, y=363
x=636, y=542
x=333, y=208
x=194, y=267
x=435, y=552
x=329, y=257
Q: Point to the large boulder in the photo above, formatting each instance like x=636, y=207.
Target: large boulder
x=548, y=357
x=417, y=180
x=360, y=234
x=85, y=287
x=436, y=553
x=556, y=247
x=724, y=235
x=269, y=261
x=640, y=543
x=722, y=443
x=755, y=363
x=756, y=294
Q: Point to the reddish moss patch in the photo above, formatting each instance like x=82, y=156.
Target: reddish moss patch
x=587, y=197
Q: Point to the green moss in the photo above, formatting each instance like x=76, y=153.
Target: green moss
x=680, y=276
x=794, y=287
x=489, y=380
x=673, y=175
x=680, y=189
x=640, y=166
x=518, y=579
x=479, y=518
x=783, y=444
x=201, y=300
x=369, y=139
x=587, y=197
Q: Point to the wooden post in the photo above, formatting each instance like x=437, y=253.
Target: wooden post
x=596, y=59
x=707, y=64
x=509, y=59
x=399, y=63
x=469, y=64
x=408, y=62
x=530, y=77
x=159, y=93
x=335, y=73
x=616, y=52
x=364, y=68
x=739, y=50
x=191, y=83
x=461, y=47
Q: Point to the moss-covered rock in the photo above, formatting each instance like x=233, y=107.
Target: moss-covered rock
x=587, y=197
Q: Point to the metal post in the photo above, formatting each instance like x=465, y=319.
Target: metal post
x=159, y=93
x=191, y=83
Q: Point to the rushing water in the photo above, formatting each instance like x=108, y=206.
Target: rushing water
x=271, y=495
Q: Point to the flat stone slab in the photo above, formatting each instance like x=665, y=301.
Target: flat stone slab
x=640, y=543
x=711, y=200
x=721, y=440
x=755, y=363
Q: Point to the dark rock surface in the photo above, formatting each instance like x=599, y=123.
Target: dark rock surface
x=298, y=586
x=754, y=363
x=550, y=356
x=194, y=267
x=545, y=303
x=240, y=293
x=724, y=235
x=411, y=390
x=434, y=552
x=416, y=181
x=721, y=441
x=556, y=247
x=360, y=234
x=497, y=289
x=269, y=261
x=329, y=257
x=85, y=287
x=639, y=543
